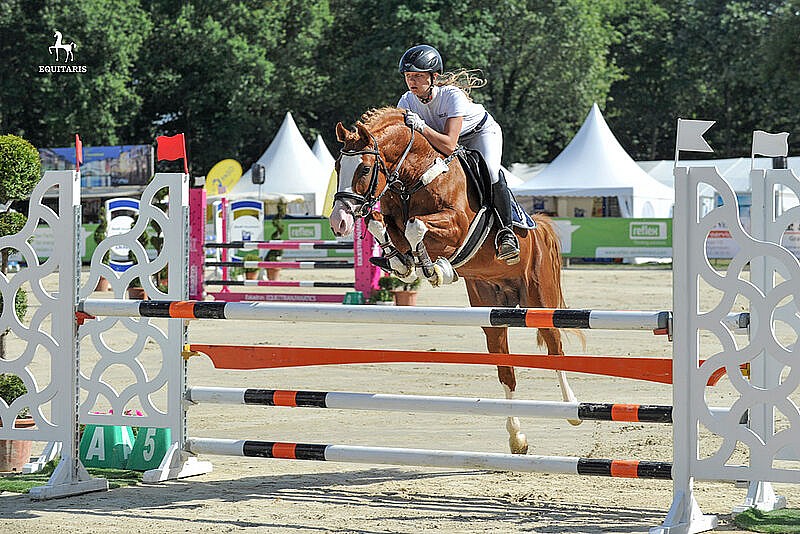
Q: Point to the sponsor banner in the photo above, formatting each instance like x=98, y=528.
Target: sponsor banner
x=720, y=244
x=791, y=241
x=607, y=237
x=104, y=166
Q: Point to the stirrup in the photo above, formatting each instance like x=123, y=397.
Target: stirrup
x=507, y=246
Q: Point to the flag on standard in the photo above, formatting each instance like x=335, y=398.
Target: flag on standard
x=690, y=135
x=768, y=144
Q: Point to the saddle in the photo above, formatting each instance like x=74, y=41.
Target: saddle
x=477, y=173
x=476, y=170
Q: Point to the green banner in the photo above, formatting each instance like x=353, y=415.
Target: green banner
x=607, y=237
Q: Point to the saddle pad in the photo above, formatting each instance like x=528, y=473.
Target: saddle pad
x=520, y=217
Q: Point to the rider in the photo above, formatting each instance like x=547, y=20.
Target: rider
x=439, y=108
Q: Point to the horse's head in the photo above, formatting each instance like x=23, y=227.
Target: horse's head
x=362, y=168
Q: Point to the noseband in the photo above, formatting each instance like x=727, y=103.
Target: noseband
x=364, y=204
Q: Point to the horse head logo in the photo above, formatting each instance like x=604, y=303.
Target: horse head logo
x=66, y=47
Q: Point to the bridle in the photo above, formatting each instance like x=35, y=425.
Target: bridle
x=364, y=204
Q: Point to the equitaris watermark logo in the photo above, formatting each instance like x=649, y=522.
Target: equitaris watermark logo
x=62, y=49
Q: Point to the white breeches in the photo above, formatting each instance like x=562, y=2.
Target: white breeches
x=489, y=142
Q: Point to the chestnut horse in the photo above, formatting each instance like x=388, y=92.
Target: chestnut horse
x=426, y=206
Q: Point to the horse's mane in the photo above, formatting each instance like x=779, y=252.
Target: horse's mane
x=377, y=116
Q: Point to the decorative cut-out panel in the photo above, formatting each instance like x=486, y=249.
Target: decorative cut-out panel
x=142, y=355
x=764, y=278
x=39, y=348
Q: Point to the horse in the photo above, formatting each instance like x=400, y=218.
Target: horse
x=426, y=207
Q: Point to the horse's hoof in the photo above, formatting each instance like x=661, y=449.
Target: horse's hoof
x=438, y=276
x=518, y=444
x=574, y=422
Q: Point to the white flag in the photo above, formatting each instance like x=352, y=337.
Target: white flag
x=690, y=135
x=767, y=144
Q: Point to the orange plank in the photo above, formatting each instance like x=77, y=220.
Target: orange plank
x=267, y=357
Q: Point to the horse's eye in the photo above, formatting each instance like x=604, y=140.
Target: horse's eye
x=365, y=171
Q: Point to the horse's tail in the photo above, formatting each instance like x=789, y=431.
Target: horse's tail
x=549, y=268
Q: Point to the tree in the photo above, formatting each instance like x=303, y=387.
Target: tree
x=545, y=61
x=20, y=171
x=779, y=67
x=225, y=73
x=49, y=108
x=695, y=60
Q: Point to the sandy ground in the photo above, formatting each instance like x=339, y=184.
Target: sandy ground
x=292, y=496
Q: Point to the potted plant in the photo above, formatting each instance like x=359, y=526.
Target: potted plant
x=251, y=273
x=15, y=453
x=381, y=297
x=135, y=290
x=404, y=293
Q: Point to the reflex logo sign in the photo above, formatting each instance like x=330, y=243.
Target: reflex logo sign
x=59, y=49
x=305, y=231
x=648, y=230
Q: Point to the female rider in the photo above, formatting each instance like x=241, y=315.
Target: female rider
x=439, y=108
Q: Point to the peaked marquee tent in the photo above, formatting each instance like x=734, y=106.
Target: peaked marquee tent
x=324, y=156
x=291, y=168
x=594, y=164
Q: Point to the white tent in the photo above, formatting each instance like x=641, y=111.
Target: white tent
x=736, y=171
x=291, y=168
x=511, y=179
x=323, y=154
x=594, y=164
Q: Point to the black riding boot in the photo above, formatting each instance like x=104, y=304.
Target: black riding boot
x=506, y=241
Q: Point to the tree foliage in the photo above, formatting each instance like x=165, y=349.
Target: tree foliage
x=20, y=168
x=226, y=72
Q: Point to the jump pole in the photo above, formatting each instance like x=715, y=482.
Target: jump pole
x=277, y=283
x=441, y=316
x=432, y=458
x=583, y=411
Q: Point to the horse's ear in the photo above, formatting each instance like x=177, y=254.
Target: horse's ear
x=363, y=133
x=341, y=132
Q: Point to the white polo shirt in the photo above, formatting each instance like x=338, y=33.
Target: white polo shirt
x=448, y=101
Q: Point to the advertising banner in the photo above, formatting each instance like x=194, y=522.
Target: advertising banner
x=607, y=237
x=104, y=166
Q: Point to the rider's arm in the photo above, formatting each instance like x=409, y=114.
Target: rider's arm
x=445, y=142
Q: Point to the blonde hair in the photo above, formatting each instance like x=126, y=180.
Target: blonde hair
x=464, y=79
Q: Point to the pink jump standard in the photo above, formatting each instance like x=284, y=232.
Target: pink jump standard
x=365, y=274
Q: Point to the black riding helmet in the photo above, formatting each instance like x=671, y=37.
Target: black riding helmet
x=421, y=58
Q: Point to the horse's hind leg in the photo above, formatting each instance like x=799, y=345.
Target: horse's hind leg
x=482, y=294
x=548, y=295
x=552, y=338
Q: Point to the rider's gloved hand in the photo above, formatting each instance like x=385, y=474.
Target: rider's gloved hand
x=415, y=121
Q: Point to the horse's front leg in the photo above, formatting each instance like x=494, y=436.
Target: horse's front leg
x=399, y=263
x=497, y=342
x=438, y=273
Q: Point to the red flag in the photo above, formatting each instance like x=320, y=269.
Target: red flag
x=78, y=152
x=172, y=148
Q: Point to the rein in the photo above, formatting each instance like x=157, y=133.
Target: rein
x=368, y=201
x=393, y=182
